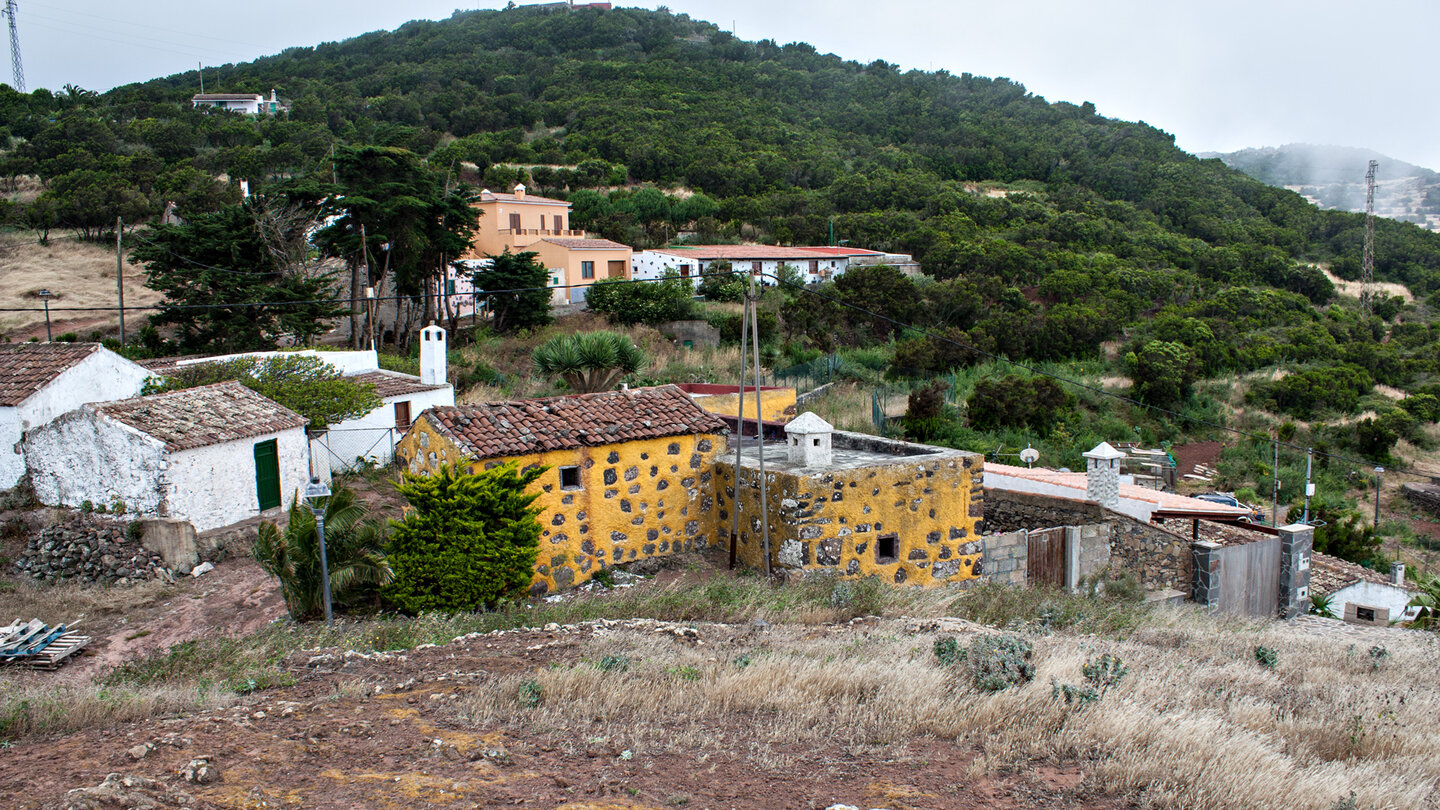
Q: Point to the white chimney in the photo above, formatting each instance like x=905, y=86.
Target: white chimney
x=1102, y=475
x=245, y=189
x=1397, y=574
x=520, y=190
x=432, y=355
x=807, y=438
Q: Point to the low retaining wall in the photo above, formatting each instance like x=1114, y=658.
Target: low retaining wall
x=1013, y=511
x=1425, y=496
x=89, y=550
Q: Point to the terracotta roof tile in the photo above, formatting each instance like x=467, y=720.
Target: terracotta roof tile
x=1329, y=574
x=199, y=417
x=27, y=367
x=1163, y=501
x=491, y=196
x=577, y=243
x=519, y=427
x=393, y=383
x=755, y=252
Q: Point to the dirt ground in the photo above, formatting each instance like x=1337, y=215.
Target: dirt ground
x=384, y=731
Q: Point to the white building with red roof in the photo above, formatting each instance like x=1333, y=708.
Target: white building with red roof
x=40, y=381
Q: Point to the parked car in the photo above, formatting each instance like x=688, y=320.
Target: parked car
x=1257, y=515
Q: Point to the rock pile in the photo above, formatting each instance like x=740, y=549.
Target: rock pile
x=91, y=551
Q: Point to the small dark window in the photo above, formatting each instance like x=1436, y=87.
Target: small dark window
x=887, y=549
x=817, y=442
x=569, y=477
x=1365, y=614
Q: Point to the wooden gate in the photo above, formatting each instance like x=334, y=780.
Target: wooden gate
x=1045, y=558
x=1250, y=578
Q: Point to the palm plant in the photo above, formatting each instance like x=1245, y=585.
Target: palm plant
x=589, y=361
x=354, y=544
x=1322, y=605
x=1428, y=600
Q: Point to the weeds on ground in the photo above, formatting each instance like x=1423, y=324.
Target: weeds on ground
x=1043, y=610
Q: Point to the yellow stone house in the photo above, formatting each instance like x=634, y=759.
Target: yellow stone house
x=630, y=472
x=856, y=506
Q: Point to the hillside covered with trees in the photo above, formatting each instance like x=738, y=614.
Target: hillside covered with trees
x=1047, y=232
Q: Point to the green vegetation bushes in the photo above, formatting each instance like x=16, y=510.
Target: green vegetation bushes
x=303, y=383
x=468, y=542
x=627, y=303
x=589, y=361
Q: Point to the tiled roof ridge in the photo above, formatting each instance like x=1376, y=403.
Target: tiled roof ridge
x=217, y=413
x=26, y=368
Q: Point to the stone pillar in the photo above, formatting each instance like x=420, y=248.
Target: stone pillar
x=1397, y=574
x=432, y=356
x=1207, y=574
x=1072, y=559
x=1297, y=543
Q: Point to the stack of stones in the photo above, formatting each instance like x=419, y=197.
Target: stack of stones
x=89, y=550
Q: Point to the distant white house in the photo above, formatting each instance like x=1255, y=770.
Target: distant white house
x=213, y=455
x=693, y=260
x=248, y=103
x=40, y=381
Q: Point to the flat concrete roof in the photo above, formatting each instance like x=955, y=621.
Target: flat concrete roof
x=850, y=451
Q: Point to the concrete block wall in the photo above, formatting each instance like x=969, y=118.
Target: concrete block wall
x=1094, y=554
x=1004, y=557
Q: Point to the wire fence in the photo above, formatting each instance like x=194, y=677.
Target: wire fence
x=352, y=449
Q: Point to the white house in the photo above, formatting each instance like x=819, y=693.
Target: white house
x=1358, y=594
x=814, y=265
x=40, y=381
x=369, y=438
x=213, y=455
x=248, y=103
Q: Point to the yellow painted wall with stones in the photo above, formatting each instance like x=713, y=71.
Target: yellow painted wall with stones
x=831, y=520
x=636, y=499
x=775, y=406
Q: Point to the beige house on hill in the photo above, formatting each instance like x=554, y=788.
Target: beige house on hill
x=520, y=221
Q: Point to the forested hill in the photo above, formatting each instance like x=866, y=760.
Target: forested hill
x=785, y=137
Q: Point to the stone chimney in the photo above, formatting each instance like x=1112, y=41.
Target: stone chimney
x=432, y=355
x=520, y=190
x=1102, y=475
x=807, y=437
x=1397, y=574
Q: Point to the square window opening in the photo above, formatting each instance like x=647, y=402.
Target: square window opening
x=817, y=442
x=569, y=477
x=887, y=549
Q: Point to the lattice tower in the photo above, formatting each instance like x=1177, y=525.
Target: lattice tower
x=1367, y=264
x=16, y=68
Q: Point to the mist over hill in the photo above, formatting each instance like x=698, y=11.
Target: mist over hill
x=1334, y=177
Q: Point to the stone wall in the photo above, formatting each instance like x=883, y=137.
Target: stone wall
x=1013, y=511
x=1094, y=553
x=89, y=550
x=1160, y=558
x=1426, y=496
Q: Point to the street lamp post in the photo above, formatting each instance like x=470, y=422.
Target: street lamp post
x=46, y=295
x=1379, y=471
x=315, y=492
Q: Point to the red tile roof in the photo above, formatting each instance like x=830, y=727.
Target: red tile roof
x=585, y=244
x=755, y=252
x=1164, y=504
x=521, y=427
x=200, y=417
x=843, y=251
x=500, y=196
x=393, y=383
x=27, y=367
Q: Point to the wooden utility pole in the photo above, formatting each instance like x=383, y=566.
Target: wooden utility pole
x=119, y=275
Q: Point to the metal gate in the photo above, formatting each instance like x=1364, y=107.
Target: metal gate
x=1250, y=578
x=1045, y=558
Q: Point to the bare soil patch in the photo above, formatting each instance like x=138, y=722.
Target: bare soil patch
x=80, y=274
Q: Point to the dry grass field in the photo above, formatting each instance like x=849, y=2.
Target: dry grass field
x=701, y=688
x=80, y=274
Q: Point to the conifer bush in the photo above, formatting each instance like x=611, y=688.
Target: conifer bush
x=469, y=541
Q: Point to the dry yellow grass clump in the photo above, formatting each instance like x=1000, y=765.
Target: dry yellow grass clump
x=80, y=274
x=1195, y=722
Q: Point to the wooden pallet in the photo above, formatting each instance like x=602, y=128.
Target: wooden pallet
x=57, y=652
x=38, y=645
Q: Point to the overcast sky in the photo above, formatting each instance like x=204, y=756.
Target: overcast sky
x=1220, y=75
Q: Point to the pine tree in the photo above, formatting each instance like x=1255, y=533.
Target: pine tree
x=469, y=541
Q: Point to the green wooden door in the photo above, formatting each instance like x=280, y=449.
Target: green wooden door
x=267, y=474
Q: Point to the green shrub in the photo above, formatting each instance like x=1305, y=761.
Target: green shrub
x=469, y=541
x=948, y=651
x=1266, y=657
x=613, y=663
x=353, y=542
x=999, y=662
x=530, y=693
x=135, y=530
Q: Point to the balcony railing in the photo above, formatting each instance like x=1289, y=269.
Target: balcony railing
x=539, y=232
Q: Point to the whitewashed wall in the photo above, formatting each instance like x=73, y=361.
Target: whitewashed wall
x=101, y=377
x=80, y=457
x=215, y=486
x=1371, y=594
x=365, y=436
